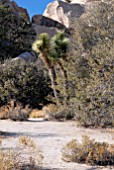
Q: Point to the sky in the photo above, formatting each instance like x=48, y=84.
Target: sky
x=34, y=6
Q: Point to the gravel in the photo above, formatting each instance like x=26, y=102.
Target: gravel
x=51, y=137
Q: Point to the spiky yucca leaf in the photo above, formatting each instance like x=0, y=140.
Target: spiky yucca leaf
x=59, y=45
x=43, y=43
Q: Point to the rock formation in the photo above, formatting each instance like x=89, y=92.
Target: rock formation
x=43, y=24
x=26, y=56
x=15, y=8
x=21, y=10
x=76, y=1
x=64, y=12
x=43, y=29
x=58, y=15
x=45, y=21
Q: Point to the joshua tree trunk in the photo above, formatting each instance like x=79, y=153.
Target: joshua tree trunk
x=53, y=83
x=51, y=75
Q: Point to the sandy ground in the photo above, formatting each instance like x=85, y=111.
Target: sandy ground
x=51, y=137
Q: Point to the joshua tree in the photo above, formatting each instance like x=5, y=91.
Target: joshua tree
x=58, y=54
x=42, y=47
x=51, y=50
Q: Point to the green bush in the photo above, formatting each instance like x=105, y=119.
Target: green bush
x=16, y=36
x=24, y=82
x=90, y=67
x=89, y=152
x=95, y=86
x=63, y=113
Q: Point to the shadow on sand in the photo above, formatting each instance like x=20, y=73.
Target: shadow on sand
x=33, y=135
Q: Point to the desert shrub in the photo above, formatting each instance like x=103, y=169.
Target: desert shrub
x=46, y=112
x=56, y=112
x=26, y=157
x=90, y=67
x=95, y=89
x=89, y=152
x=24, y=82
x=62, y=113
x=14, y=111
x=53, y=112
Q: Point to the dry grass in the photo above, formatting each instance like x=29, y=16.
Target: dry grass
x=37, y=114
x=45, y=113
x=89, y=152
x=52, y=108
x=4, y=112
x=26, y=157
x=14, y=111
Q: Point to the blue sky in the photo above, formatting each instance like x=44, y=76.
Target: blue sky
x=33, y=6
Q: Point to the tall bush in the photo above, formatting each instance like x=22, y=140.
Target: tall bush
x=90, y=67
x=24, y=82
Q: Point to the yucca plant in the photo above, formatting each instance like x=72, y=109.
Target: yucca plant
x=51, y=49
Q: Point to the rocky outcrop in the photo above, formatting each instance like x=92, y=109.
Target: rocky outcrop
x=47, y=22
x=76, y=1
x=25, y=12
x=4, y=1
x=26, y=56
x=15, y=8
x=43, y=29
x=58, y=15
x=64, y=12
x=21, y=10
x=42, y=24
